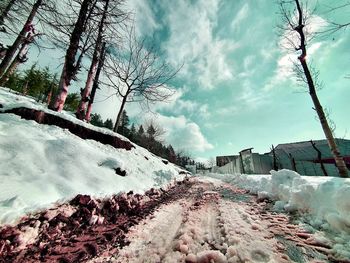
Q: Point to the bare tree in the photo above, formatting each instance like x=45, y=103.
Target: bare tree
x=27, y=27
x=110, y=17
x=95, y=85
x=333, y=25
x=295, y=17
x=93, y=67
x=157, y=131
x=5, y=11
x=21, y=57
x=73, y=58
x=138, y=73
x=12, y=15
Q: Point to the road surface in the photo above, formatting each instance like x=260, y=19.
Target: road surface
x=195, y=221
x=215, y=222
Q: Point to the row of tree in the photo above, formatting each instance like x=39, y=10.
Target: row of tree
x=101, y=30
x=295, y=19
x=40, y=84
x=150, y=136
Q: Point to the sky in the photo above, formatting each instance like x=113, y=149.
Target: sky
x=236, y=88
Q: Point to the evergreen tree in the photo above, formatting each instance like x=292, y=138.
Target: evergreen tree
x=108, y=124
x=132, y=133
x=141, y=131
x=72, y=102
x=151, y=131
x=124, y=123
x=171, y=153
x=139, y=139
x=96, y=120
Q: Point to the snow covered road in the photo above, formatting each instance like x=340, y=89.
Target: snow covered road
x=216, y=222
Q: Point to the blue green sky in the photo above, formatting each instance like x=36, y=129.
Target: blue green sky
x=236, y=89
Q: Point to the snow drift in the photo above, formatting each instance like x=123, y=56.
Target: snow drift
x=43, y=164
x=327, y=198
x=322, y=202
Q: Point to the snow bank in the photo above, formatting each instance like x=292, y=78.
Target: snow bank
x=9, y=99
x=323, y=202
x=42, y=164
x=326, y=198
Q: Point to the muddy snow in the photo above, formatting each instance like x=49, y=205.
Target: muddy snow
x=216, y=222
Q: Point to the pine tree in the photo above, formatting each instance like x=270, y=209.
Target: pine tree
x=132, y=133
x=151, y=131
x=96, y=120
x=140, y=136
x=108, y=124
x=124, y=123
x=171, y=154
x=72, y=102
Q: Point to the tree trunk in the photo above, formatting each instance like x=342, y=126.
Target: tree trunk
x=292, y=162
x=21, y=36
x=7, y=9
x=343, y=171
x=20, y=58
x=275, y=167
x=70, y=68
x=93, y=67
x=319, y=157
x=120, y=113
x=95, y=85
x=242, y=164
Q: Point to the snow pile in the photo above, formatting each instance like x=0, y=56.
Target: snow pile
x=10, y=100
x=326, y=198
x=42, y=164
x=324, y=202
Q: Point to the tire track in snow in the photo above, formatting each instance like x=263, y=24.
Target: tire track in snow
x=213, y=223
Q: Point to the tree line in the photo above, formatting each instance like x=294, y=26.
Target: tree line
x=100, y=30
x=103, y=32
x=43, y=84
x=148, y=135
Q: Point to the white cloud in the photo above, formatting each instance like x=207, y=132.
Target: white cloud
x=288, y=57
x=145, y=20
x=178, y=105
x=251, y=98
x=228, y=111
x=183, y=134
x=240, y=16
x=192, y=41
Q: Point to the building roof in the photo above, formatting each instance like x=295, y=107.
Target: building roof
x=305, y=151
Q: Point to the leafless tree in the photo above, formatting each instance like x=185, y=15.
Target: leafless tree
x=21, y=57
x=5, y=11
x=78, y=45
x=158, y=132
x=12, y=14
x=95, y=85
x=27, y=27
x=334, y=25
x=138, y=73
x=111, y=14
x=294, y=19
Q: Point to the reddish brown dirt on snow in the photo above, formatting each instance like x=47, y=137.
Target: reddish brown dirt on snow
x=80, y=131
x=92, y=227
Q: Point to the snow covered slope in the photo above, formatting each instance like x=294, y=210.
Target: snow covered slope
x=41, y=164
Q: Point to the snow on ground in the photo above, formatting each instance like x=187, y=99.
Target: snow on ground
x=199, y=228
x=10, y=99
x=323, y=202
x=41, y=164
x=214, y=223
